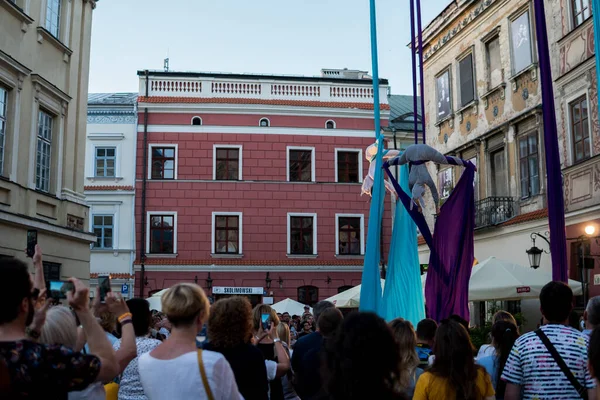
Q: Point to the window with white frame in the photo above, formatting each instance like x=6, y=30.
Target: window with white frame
x=349, y=234
x=301, y=164
x=445, y=183
x=44, y=151
x=581, y=10
x=163, y=161
x=443, y=87
x=103, y=228
x=53, y=17
x=264, y=122
x=227, y=162
x=580, y=129
x=330, y=124
x=494, y=63
x=162, y=233
x=302, y=234
x=3, y=117
x=197, y=121
x=529, y=164
x=348, y=165
x=227, y=233
x=105, y=162
x=520, y=32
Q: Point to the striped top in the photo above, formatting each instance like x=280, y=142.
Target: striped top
x=532, y=366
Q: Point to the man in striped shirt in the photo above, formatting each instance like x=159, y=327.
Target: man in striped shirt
x=531, y=372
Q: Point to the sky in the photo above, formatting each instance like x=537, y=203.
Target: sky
x=240, y=36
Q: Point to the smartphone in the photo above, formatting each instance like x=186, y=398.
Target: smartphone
x=31, y=242
x=265, y=320
x=59, y=289
x=103, y=287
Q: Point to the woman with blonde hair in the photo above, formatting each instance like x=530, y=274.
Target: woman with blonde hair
x=177, y=369
x=268, y=342
x=283, y=331
x=409, y=360
x=488, y=350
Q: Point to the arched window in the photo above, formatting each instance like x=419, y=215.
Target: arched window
x=308, y=295
x=344, y=288
x=330, y=124
x=264, y=122
x=197, y=121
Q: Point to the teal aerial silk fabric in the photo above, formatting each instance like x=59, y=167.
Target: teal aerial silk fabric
x=403, y=294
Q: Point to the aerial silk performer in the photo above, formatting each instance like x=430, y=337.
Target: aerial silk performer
x=403, y=294
x=370, y=294
x=452, y=247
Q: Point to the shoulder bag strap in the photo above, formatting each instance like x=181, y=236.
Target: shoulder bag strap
x=581, y=390
x=209, y=393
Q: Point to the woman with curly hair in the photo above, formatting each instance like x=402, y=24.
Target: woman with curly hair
x=230, y=333
x=409, y=360
x=362, y=360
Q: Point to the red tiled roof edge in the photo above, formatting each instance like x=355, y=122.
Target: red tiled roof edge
x=298, y=103
x=95, y=275
x=216, y=261
x=530, y=216
x=107, y=188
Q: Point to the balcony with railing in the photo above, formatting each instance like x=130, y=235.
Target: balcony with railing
x=257, y=88
x=493, y=211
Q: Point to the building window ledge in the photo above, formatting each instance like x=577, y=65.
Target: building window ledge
x=105, y=179
x=303, y=256
x=106, y=136
x=18, y=12
x=350, y=256
x=576, y=31
x=158, y=255
x=104, y=250
x=227, y=256
x=529, y=200
x=472, y=105
x=448, y=118
x=499, y=88
x=532, y=69
x=44, y=34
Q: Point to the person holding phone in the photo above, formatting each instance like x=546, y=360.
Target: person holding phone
x=39, y=370
x=266, y=339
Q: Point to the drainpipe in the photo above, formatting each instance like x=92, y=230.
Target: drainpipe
x=143, y=213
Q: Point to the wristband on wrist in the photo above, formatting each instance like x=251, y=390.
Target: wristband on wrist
x=125, y=316
x=125, y=322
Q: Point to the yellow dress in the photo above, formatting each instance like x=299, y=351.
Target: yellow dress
x=430, y=387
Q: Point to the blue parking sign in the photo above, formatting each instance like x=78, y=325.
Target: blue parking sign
x=124, y=288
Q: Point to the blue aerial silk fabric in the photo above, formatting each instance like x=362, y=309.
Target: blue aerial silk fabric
x=403, y=294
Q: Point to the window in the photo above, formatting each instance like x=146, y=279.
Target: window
x=162, y=233
x=264, y=122
x=3, y=115
x=444, y=96
x=301, y=164
x=44, y=148
x=105, y=162
x=581, y=10
x=227, y=163
x=227, y=233
x=163, y=162
x=349, y=235
x=529, y=165
x=498, y=173
x=521, y=43
x=329, y=125
x=467, y=84
x=580, y=129
x=53, y=17
x=494, y=63
x=197, y=121
x=445, y=183
x=348, y=166
x=302, y=234
x=308, y=295
x=103, y=229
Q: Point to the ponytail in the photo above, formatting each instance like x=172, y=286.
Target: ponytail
x=504, y=334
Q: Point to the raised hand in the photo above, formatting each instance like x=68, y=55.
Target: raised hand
x=79, y=299
x=116, y=304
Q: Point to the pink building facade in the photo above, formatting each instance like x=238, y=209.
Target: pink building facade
x=251, y=184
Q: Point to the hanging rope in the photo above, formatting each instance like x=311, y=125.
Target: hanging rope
x=420, y=48
x=414, y=68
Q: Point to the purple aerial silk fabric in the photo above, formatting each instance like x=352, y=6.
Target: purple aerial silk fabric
x=452, y=255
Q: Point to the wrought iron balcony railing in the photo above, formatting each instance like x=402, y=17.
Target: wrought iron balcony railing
x=493, y=211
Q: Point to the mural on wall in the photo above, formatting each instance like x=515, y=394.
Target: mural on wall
x=520, y=33
x=444, y=96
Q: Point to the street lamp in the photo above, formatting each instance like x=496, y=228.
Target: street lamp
x=590, y=230
x=209, y=281
x=268, y=281
x=535, y=253
x=280, y=281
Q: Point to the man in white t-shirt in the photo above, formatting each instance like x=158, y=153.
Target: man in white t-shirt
x=591, y=316
x=531, y=372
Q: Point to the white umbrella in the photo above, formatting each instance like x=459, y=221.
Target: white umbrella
x=350, y=298
x=290, y=306
x=495, y=279
x=155, y=300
